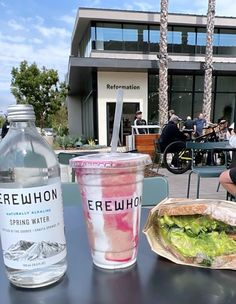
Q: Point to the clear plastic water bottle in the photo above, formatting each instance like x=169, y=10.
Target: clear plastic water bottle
x=31, y=209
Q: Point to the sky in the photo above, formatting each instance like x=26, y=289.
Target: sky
x=40, y=30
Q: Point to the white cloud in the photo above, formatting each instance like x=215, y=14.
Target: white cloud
x=94, y=3
x=48, y=32
x=144, y=6
x=36, y=41
x=39, y=20
x=15, y=25
x=141, y=6
x=68, y=19
x=226, y=8
x=14, y=39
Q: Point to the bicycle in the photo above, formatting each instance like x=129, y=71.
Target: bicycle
x=177, y=158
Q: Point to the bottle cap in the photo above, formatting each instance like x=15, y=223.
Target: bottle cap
x=20, y=112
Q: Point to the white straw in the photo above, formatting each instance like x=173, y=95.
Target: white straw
x=117, y=121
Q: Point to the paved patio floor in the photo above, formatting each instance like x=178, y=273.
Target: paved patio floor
x=177, y=184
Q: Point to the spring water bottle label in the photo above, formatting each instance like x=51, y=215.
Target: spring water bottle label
x=32, y=226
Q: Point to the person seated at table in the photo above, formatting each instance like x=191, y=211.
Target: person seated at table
x=171, y=113
x=139, y=121
x=231, y=135
x=228, y=177
x=223, y=130
x=171, y=133
x=199, y=124
x=188, y=126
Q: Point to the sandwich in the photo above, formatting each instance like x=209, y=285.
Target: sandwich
x=197, y=232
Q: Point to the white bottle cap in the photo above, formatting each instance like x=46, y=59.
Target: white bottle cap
x=20, y=112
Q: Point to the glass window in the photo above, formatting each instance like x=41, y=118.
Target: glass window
x=86, y=45
x=153, y=83
x=182, y=83
x=183, y=39
x=198, y=103
x=182, y=104
x=199, y=83
x=170, y=39
x=135, y=37
x=153, y=99
x=226, y=84
x=93, y=37
x=153, y=107
x=201, y=40
x=227, y=42
x=154, y=38
x=109, y=36
x=224, y=106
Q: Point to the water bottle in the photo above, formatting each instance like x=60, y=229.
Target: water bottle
x=31, y=209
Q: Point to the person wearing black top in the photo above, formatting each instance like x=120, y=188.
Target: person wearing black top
x=189, y=123
x=5, y=128
x=171, y=133
x=140, y=122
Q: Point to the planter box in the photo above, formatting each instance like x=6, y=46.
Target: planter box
x=144, y=143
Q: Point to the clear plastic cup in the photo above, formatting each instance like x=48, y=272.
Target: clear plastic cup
x=111, y=187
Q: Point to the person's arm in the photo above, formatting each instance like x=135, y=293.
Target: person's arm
x=232, y=139
x=136, y=129
x=194, y=126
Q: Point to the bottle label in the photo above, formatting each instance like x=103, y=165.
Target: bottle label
x=32, y=226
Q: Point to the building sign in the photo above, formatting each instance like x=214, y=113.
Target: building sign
x=124, y=87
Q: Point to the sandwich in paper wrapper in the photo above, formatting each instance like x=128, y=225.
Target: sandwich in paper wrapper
x=199, y=233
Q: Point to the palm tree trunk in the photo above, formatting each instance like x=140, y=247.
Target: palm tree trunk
x=208, y=66
x=163, y=64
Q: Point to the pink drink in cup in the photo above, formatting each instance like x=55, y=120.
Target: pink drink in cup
x=111, y=186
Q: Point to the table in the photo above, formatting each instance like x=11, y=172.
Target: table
x=152, y=280
x=228, y=148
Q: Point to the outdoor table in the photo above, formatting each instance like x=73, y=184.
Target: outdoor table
x=152, y=280
x=228, y=148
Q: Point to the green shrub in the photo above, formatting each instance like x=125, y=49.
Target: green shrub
x=66, y=141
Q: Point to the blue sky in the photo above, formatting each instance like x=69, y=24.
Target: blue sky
x=40, y=31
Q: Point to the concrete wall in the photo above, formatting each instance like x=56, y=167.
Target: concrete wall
x=74, y=115
x=136, y=90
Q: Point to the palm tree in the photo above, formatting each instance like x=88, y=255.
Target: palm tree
x=208, y=66
x=163, y=64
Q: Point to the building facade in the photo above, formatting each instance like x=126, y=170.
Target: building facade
x=114, y=49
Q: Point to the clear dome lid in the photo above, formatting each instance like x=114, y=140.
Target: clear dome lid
x=110, y=160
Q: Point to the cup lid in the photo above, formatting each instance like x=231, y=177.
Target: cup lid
x=110, y=160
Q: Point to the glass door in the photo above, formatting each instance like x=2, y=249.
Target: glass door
x=128, y=117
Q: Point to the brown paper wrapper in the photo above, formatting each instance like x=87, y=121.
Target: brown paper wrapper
x=219, y=209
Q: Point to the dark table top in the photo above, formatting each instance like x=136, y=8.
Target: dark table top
x=152, y=280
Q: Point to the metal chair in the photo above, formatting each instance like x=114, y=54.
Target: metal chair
x=200, y=169
x=155, y=189
x=158, y=155
x=64, y=159
x=71, y=194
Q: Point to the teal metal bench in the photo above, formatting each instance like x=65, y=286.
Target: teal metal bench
x=155, y=189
